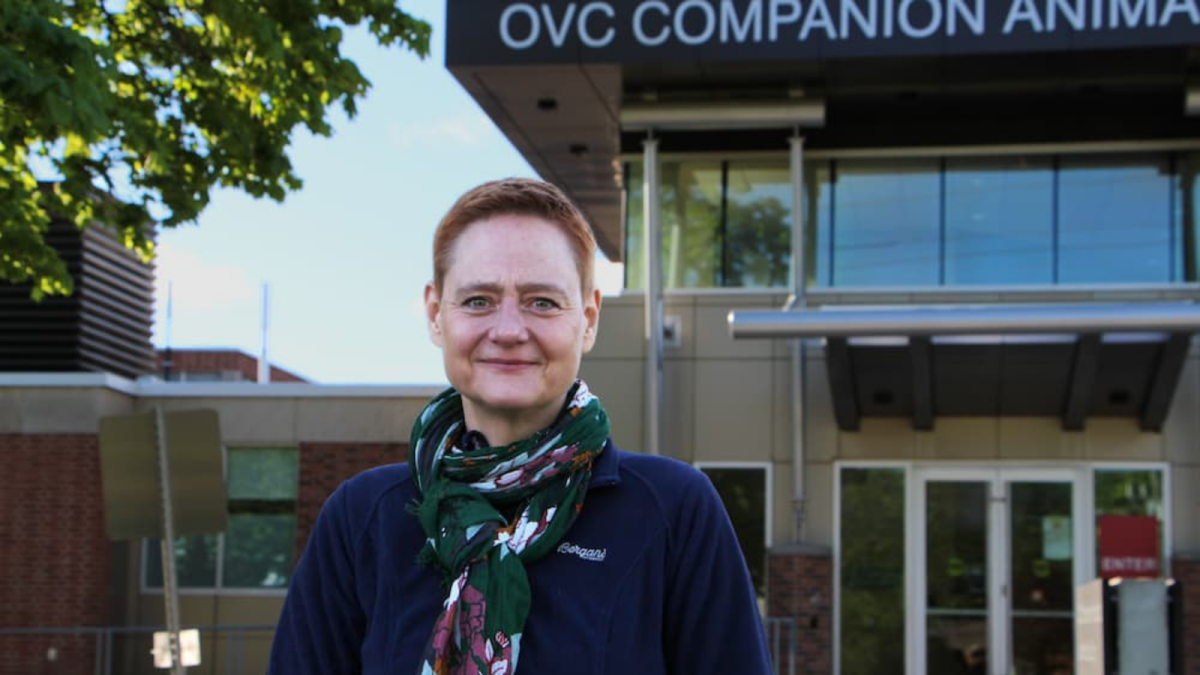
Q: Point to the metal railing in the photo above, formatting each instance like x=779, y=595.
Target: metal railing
x=781, y=640
x=105, y=641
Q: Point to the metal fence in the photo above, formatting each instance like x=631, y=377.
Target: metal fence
x=131, y=644
x=781, y=640
x=72, y=650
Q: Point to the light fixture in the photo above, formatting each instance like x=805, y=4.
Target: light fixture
x=722, y=115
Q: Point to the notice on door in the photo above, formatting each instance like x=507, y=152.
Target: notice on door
x=1129, y=547
x=1056, y=537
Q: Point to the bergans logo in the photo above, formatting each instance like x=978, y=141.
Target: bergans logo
x=590, y=554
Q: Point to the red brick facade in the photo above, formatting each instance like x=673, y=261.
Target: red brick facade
x=54, y=554
x=210, y=361
x=1186, y=570
x=323, y=466
x=800, y=587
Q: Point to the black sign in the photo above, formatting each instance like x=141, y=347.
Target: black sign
x=496, y=32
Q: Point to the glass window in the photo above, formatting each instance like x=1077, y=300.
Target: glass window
x=743, y=490
x=255, y=551
x=872, y=571
x=886, y=222
x=999, y=221
x=1130, y=492
x=758, y=224
x=1114, y=219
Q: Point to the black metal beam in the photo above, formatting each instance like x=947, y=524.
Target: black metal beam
x=841, y=384
x=921, y=350
x=1165, y=379
x=1083, y=380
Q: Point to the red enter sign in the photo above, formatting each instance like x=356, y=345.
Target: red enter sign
x=1129, y=546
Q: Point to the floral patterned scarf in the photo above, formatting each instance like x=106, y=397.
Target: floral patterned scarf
x=463, y=493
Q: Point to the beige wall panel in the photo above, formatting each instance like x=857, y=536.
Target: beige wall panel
x=878, y=438
x=620, y=385
x=714, y=342
x=679, y=403
x=822, y=431
x=1182, y=429
x=781, y=510
x=60, y=410
x=244, y=420
x=1185, y=508
x=781, y=410
x=361, y=419
x=1120, y=439
x=621, y=333
x=818, y=526
x=733, y=411
x=966, y=438
x=1035, y=438
x=10, y=411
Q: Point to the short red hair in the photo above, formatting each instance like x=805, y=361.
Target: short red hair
x=515, y=197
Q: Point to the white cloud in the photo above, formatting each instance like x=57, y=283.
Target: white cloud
x=468, y=128
x=198, y=284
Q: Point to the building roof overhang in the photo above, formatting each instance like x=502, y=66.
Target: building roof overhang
x=1064, y=360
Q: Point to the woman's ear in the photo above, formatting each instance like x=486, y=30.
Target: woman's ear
x=433, y=307
x=591, y=314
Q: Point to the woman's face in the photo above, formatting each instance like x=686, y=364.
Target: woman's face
x=512, y=322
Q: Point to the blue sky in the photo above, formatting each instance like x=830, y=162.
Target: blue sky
x=346, y=258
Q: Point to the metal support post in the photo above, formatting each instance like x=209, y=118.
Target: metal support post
x=654, y=294
x=170, y=585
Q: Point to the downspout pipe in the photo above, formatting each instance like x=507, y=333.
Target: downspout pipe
x=797, y=303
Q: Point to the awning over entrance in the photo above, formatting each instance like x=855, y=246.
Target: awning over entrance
x=1068, y=361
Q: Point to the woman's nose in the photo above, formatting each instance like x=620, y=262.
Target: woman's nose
x=510, y=323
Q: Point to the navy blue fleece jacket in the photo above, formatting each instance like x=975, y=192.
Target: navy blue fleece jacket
x=649, y=579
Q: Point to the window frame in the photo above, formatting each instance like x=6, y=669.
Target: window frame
x=218, y=588
x=768, y=503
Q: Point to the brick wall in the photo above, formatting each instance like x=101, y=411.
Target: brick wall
x=800, y=587
x=1186, y=570
x=54, y=554
x=323, y=466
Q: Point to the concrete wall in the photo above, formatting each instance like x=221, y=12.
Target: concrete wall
x=727, y=400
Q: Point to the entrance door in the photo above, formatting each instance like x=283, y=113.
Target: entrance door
x=1000, y=554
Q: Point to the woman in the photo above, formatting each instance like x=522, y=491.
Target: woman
x=518, y=539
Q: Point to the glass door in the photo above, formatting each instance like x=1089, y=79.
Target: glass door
x=997, y=560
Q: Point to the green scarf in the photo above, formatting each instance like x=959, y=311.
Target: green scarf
x=483, y=555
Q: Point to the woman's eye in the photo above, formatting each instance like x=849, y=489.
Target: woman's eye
x=476, y=302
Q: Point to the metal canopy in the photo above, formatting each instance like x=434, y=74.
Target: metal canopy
x=1063, y=360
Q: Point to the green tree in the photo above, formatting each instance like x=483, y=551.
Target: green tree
x=142, y=107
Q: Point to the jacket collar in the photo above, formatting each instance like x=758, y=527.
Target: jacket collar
x=606, y=468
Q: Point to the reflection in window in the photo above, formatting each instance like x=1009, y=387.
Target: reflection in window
x=886, y=224
x=1114, y=219
x=256, y=549
x=758, y=224
x=999, y=221
x=1130, y=492
x=954, y=221
x=872, y=571
x=743, y=490
x=723, y=224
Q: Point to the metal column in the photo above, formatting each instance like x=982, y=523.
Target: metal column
x=654, y=294
x=797, y=303
x=170, y=583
